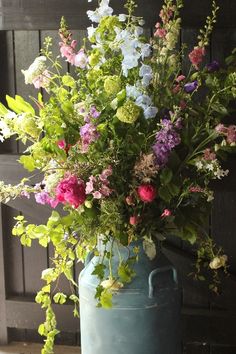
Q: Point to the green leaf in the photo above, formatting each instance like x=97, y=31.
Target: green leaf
x=19, y=105
x=125, y=273
x=60, y=298
x=166, y=176
x=219, y=108
x=164, y=194
x=106, y=299
x=28, y=162
x=3, y=110
x=67, y=80
x=173, y=189
x=99, y=270
x=41, y=329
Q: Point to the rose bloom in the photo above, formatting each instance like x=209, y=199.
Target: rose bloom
x=147, y=193
x=218, y=262
x=71, y=190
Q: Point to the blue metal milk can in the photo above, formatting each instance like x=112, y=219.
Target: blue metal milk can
x=145, y=317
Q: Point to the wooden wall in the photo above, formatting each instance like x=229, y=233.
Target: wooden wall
x=209, y=321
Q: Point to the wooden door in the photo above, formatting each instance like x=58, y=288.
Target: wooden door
x=209, y=321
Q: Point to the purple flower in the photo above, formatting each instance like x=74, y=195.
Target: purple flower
x=42, y=197
x=89, y=134
x=213, y=66
x=166, y=140
x=94, y=113
x=190, y=86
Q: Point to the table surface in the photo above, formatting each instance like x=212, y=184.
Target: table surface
x=31, y=348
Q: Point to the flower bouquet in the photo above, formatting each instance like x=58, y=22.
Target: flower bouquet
x=129, y=146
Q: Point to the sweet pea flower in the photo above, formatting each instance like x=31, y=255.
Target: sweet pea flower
x=191, y=86
x=213, y=66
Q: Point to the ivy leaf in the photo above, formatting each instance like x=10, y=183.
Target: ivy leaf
x=60, y=298
x=106, y=299
x=125, y=273
x=99, y=270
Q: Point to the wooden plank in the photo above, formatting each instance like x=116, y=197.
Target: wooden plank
x=223, y=349
x=3, y=320
x=35, y=14
x=23, y=313
x=32, y=348
x=13, y=254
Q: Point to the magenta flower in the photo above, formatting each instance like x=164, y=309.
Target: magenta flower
x=147, y=193
x=71, y=190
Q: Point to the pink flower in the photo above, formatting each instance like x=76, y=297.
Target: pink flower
x=147, y=193
x=196, y=189
x=182, y=104
x=180, y=78
x=97, y=195
x=231, y=134
x=134, y=220
x=160, y=32
x=80, y=59
x=196, y=56
x=220, y=128
x=166, y=213
x=209, y=155
x=90, y=185
x=129, y=200
x=71, y=190
x=42, y=80
x=61, y=144
x=176, y=89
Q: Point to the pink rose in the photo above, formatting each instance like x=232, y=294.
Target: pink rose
x=147, y=193
x=71, y=190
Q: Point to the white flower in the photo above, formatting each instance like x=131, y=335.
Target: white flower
x=145, y=50
x=143, y=101
x=35, y=69
x=149, y=248
x=146, y=73
x=138, y=31
x=91, y=30
x=218, y=262
x=150, y=112
x=132, y=91
x=100, y=12
x=122, y=17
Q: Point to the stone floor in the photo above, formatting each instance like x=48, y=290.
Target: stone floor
x=30, y=348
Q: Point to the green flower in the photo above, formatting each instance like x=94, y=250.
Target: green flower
x=112, y=85
x=129, y=112
x=26, y=124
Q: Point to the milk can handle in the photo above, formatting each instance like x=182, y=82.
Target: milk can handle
x=160, y=270
x=88, y=258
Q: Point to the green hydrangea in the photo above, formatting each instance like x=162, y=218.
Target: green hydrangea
x=95, y=57
x=25, y=123
x=129, y=112
x=112, y=85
